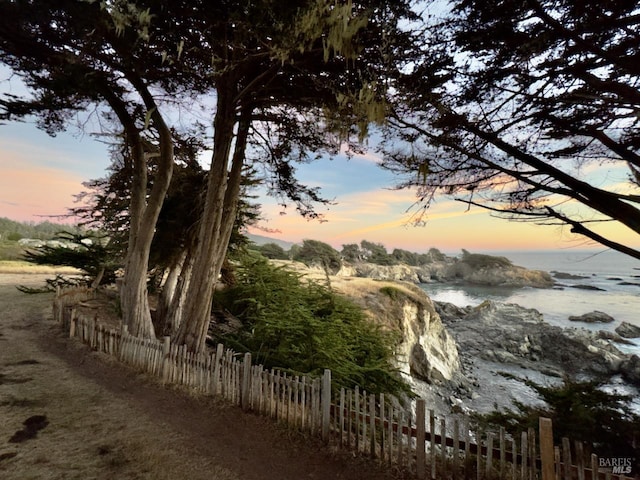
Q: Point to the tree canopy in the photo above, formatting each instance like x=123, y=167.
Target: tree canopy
x=289, y=81
x=512, y=105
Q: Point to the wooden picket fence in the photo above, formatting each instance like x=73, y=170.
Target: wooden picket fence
x=378, y=426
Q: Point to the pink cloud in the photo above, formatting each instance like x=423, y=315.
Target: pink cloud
x=29, y=193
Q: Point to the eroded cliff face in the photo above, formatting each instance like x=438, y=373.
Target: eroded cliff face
x=425, y=349
x=452, y=272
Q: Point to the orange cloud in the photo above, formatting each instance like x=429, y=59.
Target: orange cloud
x=28, y=193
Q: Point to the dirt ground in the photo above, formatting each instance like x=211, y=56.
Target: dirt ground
x=69, y=413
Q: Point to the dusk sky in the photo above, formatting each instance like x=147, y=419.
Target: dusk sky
x=40, y=175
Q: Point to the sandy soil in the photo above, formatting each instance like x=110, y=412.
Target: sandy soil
x=69, y=413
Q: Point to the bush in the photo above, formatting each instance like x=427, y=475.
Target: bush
x=478, y=260
x=314, y=252
x=376, y=253
x=580, y=411
x=272, y=251
x=303, y=328
x=14, y=236
x=436, y=255
x=89, y=253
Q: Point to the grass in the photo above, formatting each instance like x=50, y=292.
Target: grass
x=20, y=266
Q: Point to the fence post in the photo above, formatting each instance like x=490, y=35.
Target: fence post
x=166, y=350
x=215, y=381
x=326, y=404
x=246, y=381
x=72, y=323
x=546, y=448
x=124, y=334
x=420, y=439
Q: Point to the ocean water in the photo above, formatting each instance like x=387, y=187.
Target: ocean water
x=617, y=275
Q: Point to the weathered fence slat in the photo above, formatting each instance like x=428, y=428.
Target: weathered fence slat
x=420, y=439
x=369, y=424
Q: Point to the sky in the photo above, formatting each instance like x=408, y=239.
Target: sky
x=40, y=176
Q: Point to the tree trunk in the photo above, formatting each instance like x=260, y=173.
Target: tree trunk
x=168, y=293
x=219, y=214
x=175, y=311
x=135, y=303
x=143, y=211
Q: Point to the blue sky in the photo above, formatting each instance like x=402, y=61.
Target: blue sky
x=40, y=175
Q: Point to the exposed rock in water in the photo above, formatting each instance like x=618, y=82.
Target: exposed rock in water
x=588, y=287
x=628, y=330
x=593, y=317
x=614, y=337
x=631, y=369
x=490, y=275
x=567, y=276
x=511, y=334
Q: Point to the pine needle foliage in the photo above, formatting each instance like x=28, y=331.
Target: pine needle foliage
x=580, y=410
x=303, y=327
x=90, y=253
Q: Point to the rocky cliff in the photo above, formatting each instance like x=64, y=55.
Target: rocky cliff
x=452, y=271
x=510, y=334
x=425, y=349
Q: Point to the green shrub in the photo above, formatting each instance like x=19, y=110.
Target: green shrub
x=90, y=253
x=272, y=251
x=314, y=252
x=14, y=236
x=392, y=292
x=303, y=327
x=478, y=260
x=579, y=411
x=376, y=253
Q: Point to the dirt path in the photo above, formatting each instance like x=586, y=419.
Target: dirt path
x=69, y=413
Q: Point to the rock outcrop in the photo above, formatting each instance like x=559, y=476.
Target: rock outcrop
x=592, y=317
x=494, y=275
x=425, y=349
x=511, y=334
x=402, y=273
x=452, y=271
x=631, y=369
x=626, y=330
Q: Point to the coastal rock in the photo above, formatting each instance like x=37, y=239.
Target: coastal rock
x=511, y=334
x=567, y=276
x=628, y=330
x=509, y=276
x=614, y=337
x=453, y=270
x=592, y=317
x=403, y=273
x=490, y=275
x=631, y=370
x=588, y=287
x=425, y=349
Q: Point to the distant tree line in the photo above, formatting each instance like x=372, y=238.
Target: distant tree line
x=11, y=230
x=320, y=253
